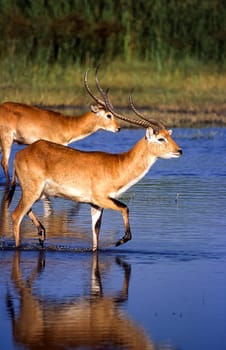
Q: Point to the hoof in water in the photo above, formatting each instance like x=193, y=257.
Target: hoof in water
x=41, y=242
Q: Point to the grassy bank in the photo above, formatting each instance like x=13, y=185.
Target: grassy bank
x=180, y=94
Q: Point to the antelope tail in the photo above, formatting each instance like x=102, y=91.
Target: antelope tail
x=10, y=192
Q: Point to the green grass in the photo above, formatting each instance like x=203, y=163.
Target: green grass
x=188, y=87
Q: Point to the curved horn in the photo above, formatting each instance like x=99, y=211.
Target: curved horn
x=109, y=105
x=89, y=90
x=121, y=116
x=145, y=122
x=99, y=87
x=154, y=123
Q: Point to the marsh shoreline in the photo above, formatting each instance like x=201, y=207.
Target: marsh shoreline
x=171, y=116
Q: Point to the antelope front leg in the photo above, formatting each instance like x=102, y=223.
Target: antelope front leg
x=96, y=213
x=115, y=204
x=127, y=237
x=125, y=215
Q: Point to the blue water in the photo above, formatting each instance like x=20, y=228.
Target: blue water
x=176, y=258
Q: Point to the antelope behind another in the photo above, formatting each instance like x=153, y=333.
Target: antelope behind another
x=96, y=178
x=26, y=124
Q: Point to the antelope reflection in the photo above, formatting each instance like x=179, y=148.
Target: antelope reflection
x=57, y=219
x=93, y=321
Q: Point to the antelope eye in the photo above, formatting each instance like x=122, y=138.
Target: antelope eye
x=161, y=139
x=109, y=116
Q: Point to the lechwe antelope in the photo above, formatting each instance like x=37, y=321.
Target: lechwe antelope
x=26, y=124
x=97, y=178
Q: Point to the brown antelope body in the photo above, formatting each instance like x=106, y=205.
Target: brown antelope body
x=26, y=124
x=97, y=178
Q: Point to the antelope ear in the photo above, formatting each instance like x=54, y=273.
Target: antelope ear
x=94, y=108
x=170, y=132
x=149, y=133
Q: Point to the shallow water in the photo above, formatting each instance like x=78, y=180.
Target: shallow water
x=164, y=287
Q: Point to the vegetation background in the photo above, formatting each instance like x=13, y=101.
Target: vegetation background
x=172, y=52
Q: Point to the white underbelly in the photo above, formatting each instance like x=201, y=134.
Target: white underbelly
x=63, y=190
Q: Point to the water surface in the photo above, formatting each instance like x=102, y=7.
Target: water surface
x=164, y=287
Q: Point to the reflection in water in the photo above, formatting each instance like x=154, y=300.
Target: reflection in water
x=87, y=322
x=59, y=220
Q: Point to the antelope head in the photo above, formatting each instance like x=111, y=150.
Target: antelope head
x=158, y=137
x=100, y=109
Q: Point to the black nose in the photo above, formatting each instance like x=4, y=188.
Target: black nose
x=180, y=151
x=119, y=129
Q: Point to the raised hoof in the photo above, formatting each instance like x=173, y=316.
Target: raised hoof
x=121, y=241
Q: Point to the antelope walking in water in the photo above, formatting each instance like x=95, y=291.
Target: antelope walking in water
x=26, y=124
x=97, y=178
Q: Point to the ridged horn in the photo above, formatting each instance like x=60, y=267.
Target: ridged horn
x=142, y=123
x=98, y=101
x=156, y=125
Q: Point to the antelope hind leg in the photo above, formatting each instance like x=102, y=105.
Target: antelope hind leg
x=40, y=227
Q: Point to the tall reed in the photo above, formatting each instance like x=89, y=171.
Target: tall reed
x=69, y=31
